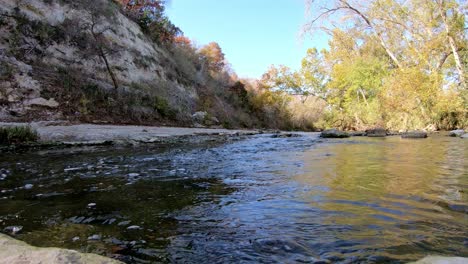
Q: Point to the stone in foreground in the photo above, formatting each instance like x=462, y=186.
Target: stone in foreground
x=441, y=260
x=414, y=134
x=14, y=251
x=334, y=133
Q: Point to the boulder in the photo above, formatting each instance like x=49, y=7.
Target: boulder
x=376, y=132
x=204, y=119
x=199, y=117
x=51, y=103
x=457, y=133
x=14, y=251
x=414, y=134
x=464, y=135
x=334, y=133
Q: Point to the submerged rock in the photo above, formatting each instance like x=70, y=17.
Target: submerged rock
x=334, y=133
x=414, y=134
x=457, y=133
x=285, y=135
x=376, y=132
x=14, y=251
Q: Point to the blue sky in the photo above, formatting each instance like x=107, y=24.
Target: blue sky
x=252, y=33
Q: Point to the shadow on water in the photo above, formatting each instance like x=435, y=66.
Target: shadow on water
x=262, y=199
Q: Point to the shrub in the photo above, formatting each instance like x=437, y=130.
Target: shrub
x=163, y=108
x=16, y=135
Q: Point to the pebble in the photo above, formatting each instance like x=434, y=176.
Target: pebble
x=13, y=229
x=71, y=169
x=124, y=223
x=133, y=174
x=133, y=227
x=28, y=186
x=95, y=237
x=91, y=205
x=109, y=221
x=75, y=239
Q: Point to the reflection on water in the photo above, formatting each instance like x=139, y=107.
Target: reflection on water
x=263, y=199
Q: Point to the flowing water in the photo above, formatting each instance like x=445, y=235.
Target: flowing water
x=256, y=200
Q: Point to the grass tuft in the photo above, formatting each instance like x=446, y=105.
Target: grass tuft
x=16, y=135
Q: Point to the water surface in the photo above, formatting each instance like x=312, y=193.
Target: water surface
x=261, y=199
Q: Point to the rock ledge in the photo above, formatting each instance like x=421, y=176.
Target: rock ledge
x=14, y=251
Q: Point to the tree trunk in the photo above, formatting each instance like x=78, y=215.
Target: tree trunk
x=379, y=35
x=109, y=70
x=458, y=62
x=453, y=46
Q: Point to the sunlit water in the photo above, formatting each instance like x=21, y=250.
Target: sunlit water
x=261, y=199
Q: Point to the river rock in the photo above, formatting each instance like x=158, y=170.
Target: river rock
x=28, y=186
x=464, y=135
x=376, y=132
x=457, y=133
x=334, y=133
x=285, y=135
x=14, y=251
x=414, y=134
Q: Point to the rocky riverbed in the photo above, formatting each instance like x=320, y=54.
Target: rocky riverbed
x=255, y=198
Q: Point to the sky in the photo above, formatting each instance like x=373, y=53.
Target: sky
x=253, y=34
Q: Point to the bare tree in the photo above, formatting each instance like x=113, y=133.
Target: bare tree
x=102, y=47
x=325, y=12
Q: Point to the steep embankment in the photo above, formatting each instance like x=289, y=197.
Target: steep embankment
x=86, y=61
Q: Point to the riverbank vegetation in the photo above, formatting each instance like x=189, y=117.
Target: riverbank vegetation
x=17, y=134
x=395, y=64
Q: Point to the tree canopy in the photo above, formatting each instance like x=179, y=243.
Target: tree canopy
x=393, y=63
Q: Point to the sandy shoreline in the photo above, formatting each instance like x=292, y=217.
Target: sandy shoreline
x=96, y=134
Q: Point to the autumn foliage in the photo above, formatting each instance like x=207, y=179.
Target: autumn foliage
x=150, y=16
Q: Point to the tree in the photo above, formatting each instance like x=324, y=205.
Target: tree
x=454, y=26
x=150, y=16
x=393, y=61
x=102, y=46
x=214, y=56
